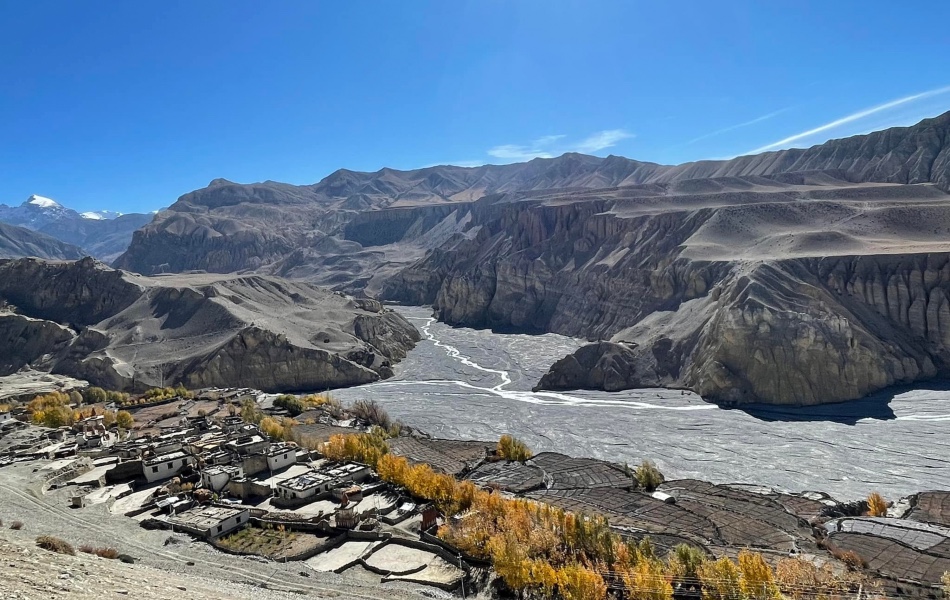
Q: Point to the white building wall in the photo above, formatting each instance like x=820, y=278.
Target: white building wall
x=279, y=461
x=230, y=524
x=165, y=470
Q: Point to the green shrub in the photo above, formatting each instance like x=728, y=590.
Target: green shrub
x=648, y=476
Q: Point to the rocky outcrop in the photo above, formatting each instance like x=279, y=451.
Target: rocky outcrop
x=599, y=366
x=793, y=332
x=27, y=340
x=134, y=332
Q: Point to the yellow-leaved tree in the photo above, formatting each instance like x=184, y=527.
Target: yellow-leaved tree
x=577, y=582
x=757, y=581
x=720, y=580
x=511, y=448
x=124, y=419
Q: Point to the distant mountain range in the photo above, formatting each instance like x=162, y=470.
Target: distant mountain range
x=103, y=234
x=20, y=241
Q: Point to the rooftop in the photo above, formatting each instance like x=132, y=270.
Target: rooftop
x=164, y=458
x=229, y=469
x=305, y=481
x=204, y=517
x=280, y=448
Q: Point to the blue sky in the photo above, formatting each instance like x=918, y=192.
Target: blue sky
x=127, y=105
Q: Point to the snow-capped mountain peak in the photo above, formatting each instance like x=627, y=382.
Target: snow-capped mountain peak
x=101, y=215
x=42, y=202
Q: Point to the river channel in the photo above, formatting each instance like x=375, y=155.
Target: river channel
x=475, y=384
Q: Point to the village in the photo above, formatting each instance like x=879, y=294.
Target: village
x=275, y=477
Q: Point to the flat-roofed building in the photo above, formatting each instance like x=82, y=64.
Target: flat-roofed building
x=308, y=485
x=216, y=478
x=210, y=521
x=280, y=456
x=164, y=466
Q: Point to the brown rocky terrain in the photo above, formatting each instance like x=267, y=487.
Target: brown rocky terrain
x=124, y=331
x=792, y=277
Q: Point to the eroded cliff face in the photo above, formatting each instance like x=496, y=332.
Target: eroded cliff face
x=133, y=332
x=799, y=332
x=796, y=330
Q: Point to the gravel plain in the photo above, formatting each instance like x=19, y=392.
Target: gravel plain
x=474, y=384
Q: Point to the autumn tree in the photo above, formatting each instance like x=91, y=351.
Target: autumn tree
x=799, y=579
x=647, y=580
x=648, y=476
x=877, y=506
x=124, y=419
x=250, y=412
x=94, y=395
x=577, y=582
x=371, y=412
x=511, y=448
x=684, y=561
x=757, y=581
x=720, y=580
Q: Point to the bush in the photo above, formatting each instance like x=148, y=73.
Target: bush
x=371, y=412
x=124, y=419
x=511, y=448
x=17, y=525
x=110, y=553
x=93, y=395
x=877, y=506
x=648, y=476
x=54, y=544
x=250, y=412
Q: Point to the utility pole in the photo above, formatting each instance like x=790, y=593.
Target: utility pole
x=463, y=575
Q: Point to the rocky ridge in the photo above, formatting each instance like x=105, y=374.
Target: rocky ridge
x=713, y=275
x=124, y=331
x=16, y=242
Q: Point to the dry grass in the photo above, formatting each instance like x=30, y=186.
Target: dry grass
x=54, y=544
x=110, y=553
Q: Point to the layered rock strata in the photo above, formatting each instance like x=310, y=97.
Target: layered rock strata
x=124, y=331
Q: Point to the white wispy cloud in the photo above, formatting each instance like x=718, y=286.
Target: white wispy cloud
x=554, y=145
x=857, y=116
x=737, y=126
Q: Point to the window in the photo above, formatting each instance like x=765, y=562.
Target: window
x=285, y=455
x=154, y=469
x=184, y=462
x=219, y=528
x=238, y=519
